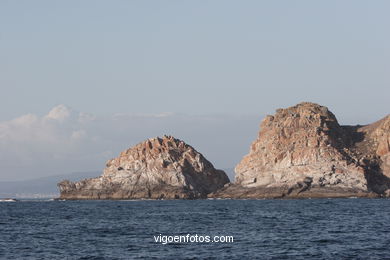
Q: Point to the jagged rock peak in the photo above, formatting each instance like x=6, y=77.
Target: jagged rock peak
x=303, y=151
x=153, y=146
x=303, y=115
x=163, y=152
x=156, y=168
x=299, y=143
x=305, y=109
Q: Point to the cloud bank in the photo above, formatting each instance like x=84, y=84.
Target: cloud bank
x=65, y=140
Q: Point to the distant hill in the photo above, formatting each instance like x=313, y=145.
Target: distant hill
x=44, y=187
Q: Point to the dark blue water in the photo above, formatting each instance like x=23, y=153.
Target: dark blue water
x=263, y=229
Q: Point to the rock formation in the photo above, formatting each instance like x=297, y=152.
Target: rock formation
x=302, y=151
x=159, y=168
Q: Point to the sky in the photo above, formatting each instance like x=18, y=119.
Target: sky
x=82, y=80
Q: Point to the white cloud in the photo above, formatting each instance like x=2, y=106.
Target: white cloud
x=66, y=140
x=60, y=113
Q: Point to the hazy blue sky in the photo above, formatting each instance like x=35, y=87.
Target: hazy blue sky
x=192, y=58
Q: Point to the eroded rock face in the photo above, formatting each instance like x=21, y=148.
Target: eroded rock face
x=157, y=168
x=373, y=152
x=304, y=148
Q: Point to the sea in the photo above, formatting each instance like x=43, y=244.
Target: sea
x=351, y=228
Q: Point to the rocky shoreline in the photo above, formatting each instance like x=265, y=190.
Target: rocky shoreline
x=235, y=191
x=300, y=152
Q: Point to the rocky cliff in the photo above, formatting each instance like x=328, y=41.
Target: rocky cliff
x=302, y=151
x=155, y=169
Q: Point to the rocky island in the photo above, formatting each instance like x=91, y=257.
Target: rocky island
x=302, y=151
x=158, y=168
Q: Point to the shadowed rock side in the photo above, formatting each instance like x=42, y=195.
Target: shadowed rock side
x=302, y=151
x=155, y=169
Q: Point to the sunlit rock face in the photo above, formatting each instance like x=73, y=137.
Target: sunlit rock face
x=303, y=148
x=158, y=168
